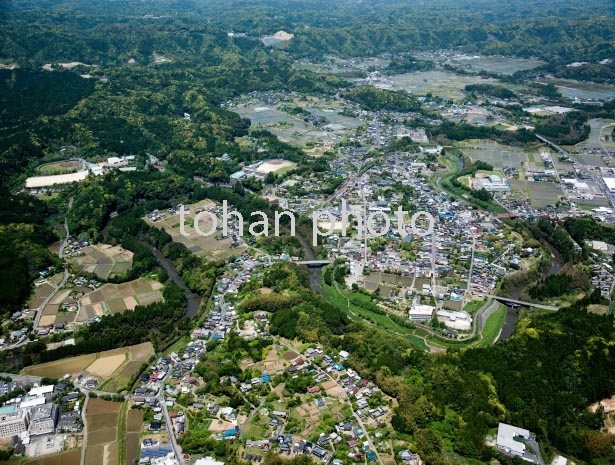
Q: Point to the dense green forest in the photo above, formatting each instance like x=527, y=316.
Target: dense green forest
x=559, y=32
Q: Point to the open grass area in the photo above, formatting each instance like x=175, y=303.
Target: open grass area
x=381, y=321
x=496, y=154
x=103, y=260
x=59, y=167
x=544, y=193
x=493, y=326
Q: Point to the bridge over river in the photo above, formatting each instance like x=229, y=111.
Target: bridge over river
x=524, y=304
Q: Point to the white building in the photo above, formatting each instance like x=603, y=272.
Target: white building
x=116, y=161
x=457, y=320
x=507, y=439
x=41, y=390
x=208, y=461
x=610, y=184
x=13, y=423
x=492, y=183
x=421, y=312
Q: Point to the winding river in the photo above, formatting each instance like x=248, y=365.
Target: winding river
x=193, y=300
x=512, y=316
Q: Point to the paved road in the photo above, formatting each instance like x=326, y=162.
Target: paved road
x=39, y=311
x=176, y=449
x=85, y=430
x=21, y=378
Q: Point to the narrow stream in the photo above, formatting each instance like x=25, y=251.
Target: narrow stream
x=512, y=315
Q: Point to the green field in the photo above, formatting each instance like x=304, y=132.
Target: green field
x=381, y=321
x=493, y=326
x=59, y=167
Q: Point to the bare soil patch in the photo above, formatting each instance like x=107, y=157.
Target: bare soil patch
x=105, y=366
x=290, y=355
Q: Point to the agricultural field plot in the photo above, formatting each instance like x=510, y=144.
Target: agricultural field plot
x=293, y=128
x=498, y=155
x=583, y=90
x=543, y=193
x=442, y=83
x=115, y=367
x=40, y=294
x=102, y=442
x=591, y=160
x=204, y=246
x=260, y=113
x=599, y=128
x=373, y=280
x=494, y=64
x=71, y=457
x=59, y=368
x=52, y=312
x=117, y=298
x=104, y=260
x=59, y=167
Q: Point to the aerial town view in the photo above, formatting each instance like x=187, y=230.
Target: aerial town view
x=287, y=232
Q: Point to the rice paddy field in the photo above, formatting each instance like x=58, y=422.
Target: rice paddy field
x=204, y=246
x=117, y=298
x=113, y=368
x=595, y=141
x=540, y=194
x=294, y=129
x=102, y=418
x=442, y=83
x=494, y=64
x=104, y=260
x=583, y=90
x=499, y=155
x=71, y=457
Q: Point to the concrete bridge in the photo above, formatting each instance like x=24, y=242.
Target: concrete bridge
x=524, y=304
x=314, y=263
